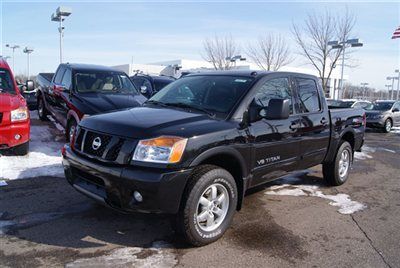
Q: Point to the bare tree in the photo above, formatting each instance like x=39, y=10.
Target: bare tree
x=313, y=37
x=271, y=52
x=219, y=50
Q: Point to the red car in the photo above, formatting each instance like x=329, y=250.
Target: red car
x=14, y=113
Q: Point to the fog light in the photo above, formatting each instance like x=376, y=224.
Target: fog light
x=17, y=136
x=138, y=197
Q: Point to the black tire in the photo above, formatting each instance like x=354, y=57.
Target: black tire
x=331, y=170
x=187, y=222
x=388, y=125
x=22, y=149
x=71, y=126
x=42, y=111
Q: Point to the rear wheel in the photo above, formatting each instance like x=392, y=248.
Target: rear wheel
x=22, y=149
x=208, y=207
x=388, y=126
x=42, y=111
x=337, y=172
x=69, y=132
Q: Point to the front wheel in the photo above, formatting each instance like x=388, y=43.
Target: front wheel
x=69, y=132
x=337, y=172
x=388, y=126
x=208, y=207
x=42, y=111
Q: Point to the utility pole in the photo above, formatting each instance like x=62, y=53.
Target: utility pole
x=364, y=86
x=28, y=51
x=392, y=78
x=398, y=83
x=13, y=47
x=388, y=88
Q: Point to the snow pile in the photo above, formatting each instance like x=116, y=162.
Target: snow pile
x=395, y=130
x=156, y=256
x=365, y=153
x=44, y=158
x=343, y=201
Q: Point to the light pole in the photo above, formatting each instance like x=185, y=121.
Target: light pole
x=59, y=16
x=342, y=45
x=28, y=51
x=392, y=78
x=398, y=83
x=235, y=58
x=388, y=88
x=364, y=85
x=13, y=47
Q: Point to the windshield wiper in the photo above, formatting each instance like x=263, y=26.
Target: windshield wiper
x=155, y=103
x=187, y=106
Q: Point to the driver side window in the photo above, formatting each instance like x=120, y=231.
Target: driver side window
x=276, y=88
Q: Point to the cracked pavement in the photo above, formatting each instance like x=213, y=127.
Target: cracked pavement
x=47, y=223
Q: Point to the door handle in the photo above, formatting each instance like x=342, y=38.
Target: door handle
x=324, y=121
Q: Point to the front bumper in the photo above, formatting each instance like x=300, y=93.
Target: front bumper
x=379, y=122
x=9, y=131
x=114, y=185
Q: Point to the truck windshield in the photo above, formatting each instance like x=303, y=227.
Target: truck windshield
x=216, y=94
x=104, y=82
x=6, y=82
x=380, y=106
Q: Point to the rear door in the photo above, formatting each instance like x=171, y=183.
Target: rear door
x=276, y=143
x=315, y=122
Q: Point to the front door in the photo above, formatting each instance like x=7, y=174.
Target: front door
x=276, y=143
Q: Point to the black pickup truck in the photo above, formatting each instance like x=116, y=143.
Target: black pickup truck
x=78, y=90
x=199, y=144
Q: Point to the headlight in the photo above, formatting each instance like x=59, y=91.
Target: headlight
x=19, y=114
x=163, y=149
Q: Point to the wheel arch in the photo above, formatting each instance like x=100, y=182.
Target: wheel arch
x=229, y=159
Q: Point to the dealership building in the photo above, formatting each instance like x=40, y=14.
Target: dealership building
x=176, y=67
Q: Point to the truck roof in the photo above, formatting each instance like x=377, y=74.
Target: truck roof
x=91, y=67
x=248, y=73
x=3, y=63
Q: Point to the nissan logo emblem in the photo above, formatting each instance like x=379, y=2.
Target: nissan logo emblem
x=96, y=143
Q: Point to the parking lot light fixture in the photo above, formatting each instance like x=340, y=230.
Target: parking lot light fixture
x=28, y=51
x=13, y=47
x=356, y=42
x=59, y=16
x=235, y=58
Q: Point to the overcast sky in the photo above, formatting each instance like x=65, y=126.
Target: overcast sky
x=112, y=33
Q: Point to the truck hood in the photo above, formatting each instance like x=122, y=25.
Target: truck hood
x=100, y=102
x=148, y=122
x=10, y=102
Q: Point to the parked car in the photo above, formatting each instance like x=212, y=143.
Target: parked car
x=14, y=113
x=150, y=85
x=78, y=90
x=383, y=114
x=197, y=146
x=29, y=95
x=346, y=103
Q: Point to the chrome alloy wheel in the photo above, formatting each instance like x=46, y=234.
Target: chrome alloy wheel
x=344, y=163
x=71, y=132
x=40, y=107
x=212, y=207
x=388, y=125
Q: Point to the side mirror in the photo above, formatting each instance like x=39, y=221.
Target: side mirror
x=277, y=109
x=395, y=110
x=30, y=85
x=143, y=89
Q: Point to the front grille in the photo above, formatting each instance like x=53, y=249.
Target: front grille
x=99, y=145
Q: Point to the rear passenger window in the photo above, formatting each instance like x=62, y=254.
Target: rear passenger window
x=277, y=88
x=67, y=79
x=308, y=95
x=59, y=75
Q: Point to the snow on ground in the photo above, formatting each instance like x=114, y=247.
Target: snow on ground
x=44, y=158
x=159, y=255
x=343, y=201
x=365, y=153
x=395, y=130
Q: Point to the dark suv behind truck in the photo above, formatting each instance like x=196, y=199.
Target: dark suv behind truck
x=199, y=144
x=78, y=90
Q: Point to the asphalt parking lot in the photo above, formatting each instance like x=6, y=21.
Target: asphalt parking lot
x=298, y=221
